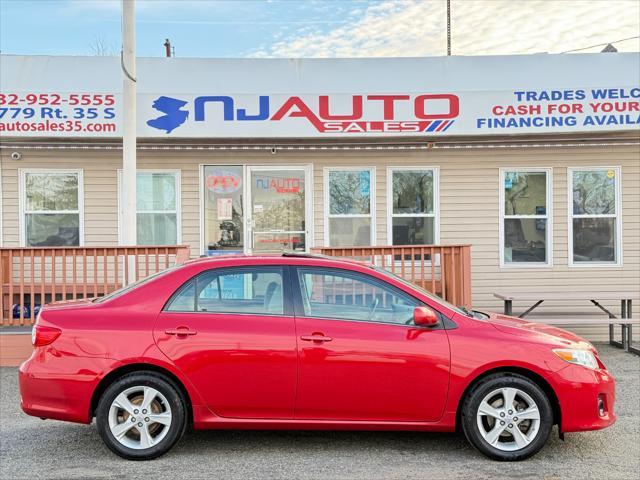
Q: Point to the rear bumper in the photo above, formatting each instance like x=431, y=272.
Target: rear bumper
x=52, y=385
x=580, y=391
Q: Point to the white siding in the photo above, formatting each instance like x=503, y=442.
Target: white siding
x=469, y=213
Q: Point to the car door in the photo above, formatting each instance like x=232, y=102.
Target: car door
x=360, y=356
x=231, y=331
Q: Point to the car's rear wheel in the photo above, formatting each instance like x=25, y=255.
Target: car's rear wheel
x=507, y=417
x=141, y=416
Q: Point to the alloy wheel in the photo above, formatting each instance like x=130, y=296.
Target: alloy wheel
x=508, y=419
x=140, y=417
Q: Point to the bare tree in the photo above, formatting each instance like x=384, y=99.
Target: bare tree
x=101, y=48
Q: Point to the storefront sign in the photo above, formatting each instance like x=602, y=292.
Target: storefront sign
x=279, y=184
x=222, y=181
x=427, y=97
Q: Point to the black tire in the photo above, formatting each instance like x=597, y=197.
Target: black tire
x=485, y=387
x=174, y=399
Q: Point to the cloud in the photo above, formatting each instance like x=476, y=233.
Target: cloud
x=418, y=28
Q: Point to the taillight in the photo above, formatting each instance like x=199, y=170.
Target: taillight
x=42, y=335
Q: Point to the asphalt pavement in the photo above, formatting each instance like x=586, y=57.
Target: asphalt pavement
x=32, y=448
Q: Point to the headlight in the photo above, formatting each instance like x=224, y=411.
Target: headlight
x=579, y=357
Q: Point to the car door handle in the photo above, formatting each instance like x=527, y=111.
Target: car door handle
x=180, y=331
x=316, y=337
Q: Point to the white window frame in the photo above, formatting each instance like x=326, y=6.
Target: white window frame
x=617, y=216
x=178, y=179
x=372, y=202
x=436, y=202
x=22, y=199
x=548, y=216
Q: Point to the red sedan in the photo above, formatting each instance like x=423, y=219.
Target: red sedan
x=303, y=342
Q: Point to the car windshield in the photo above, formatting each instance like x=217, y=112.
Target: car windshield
x=427, y=293
x=131, y=286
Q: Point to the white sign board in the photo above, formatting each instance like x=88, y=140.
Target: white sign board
x=314, y=98
x=225, y=208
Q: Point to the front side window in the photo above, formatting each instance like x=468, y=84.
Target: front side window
x=255, y=291
x=52, y=208
x=594, y=226
x=412, y=206
x=157, y=208
x=341, y=295
x=350, y=210
x=525, y=202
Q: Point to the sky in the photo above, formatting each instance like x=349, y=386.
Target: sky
x=315, y=28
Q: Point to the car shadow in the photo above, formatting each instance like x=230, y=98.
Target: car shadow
x=320, y=440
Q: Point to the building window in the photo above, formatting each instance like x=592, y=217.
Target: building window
x=51, y=208
x=157, y=207
x=350, y=217
x=525, y=208
x=412, y=205
x=594, y=216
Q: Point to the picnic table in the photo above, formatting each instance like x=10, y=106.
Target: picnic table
x=625, y=299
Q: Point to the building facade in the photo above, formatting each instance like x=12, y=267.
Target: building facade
x=533, y=160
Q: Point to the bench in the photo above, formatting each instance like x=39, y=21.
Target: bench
x=625, y=323
x=625, y=299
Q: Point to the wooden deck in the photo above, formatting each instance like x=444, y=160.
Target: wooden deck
x=444, y=270
x=31, y=277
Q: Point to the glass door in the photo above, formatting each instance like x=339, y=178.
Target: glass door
x=223, y=211
x=278, y=214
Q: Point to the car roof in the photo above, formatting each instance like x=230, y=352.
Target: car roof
x=285, y=256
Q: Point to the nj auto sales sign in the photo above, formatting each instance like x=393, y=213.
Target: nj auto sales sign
x=277, y=98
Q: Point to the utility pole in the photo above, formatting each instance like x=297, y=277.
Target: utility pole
x=448, y=27
x=129, y=166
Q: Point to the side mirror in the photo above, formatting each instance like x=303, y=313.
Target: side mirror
x=424, y=317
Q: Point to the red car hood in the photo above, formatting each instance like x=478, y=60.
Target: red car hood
x=518, y=326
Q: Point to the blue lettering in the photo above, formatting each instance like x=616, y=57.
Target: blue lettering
x=263, y=113
x=262, y=183
x=200, y=102
x=614, y=93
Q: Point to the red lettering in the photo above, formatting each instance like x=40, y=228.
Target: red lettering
x=303, y=111
x=421, y=101
x=388, y=102
x=356, y=109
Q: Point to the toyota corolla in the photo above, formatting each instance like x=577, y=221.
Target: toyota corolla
x=304, y=342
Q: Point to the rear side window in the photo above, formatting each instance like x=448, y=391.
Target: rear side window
x=134, y=285
x=238, y=290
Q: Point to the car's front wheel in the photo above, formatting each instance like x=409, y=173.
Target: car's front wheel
x=507, y=417
x=141, y=416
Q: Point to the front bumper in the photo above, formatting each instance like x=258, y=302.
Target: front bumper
x=581, y=393
x=54, y=385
